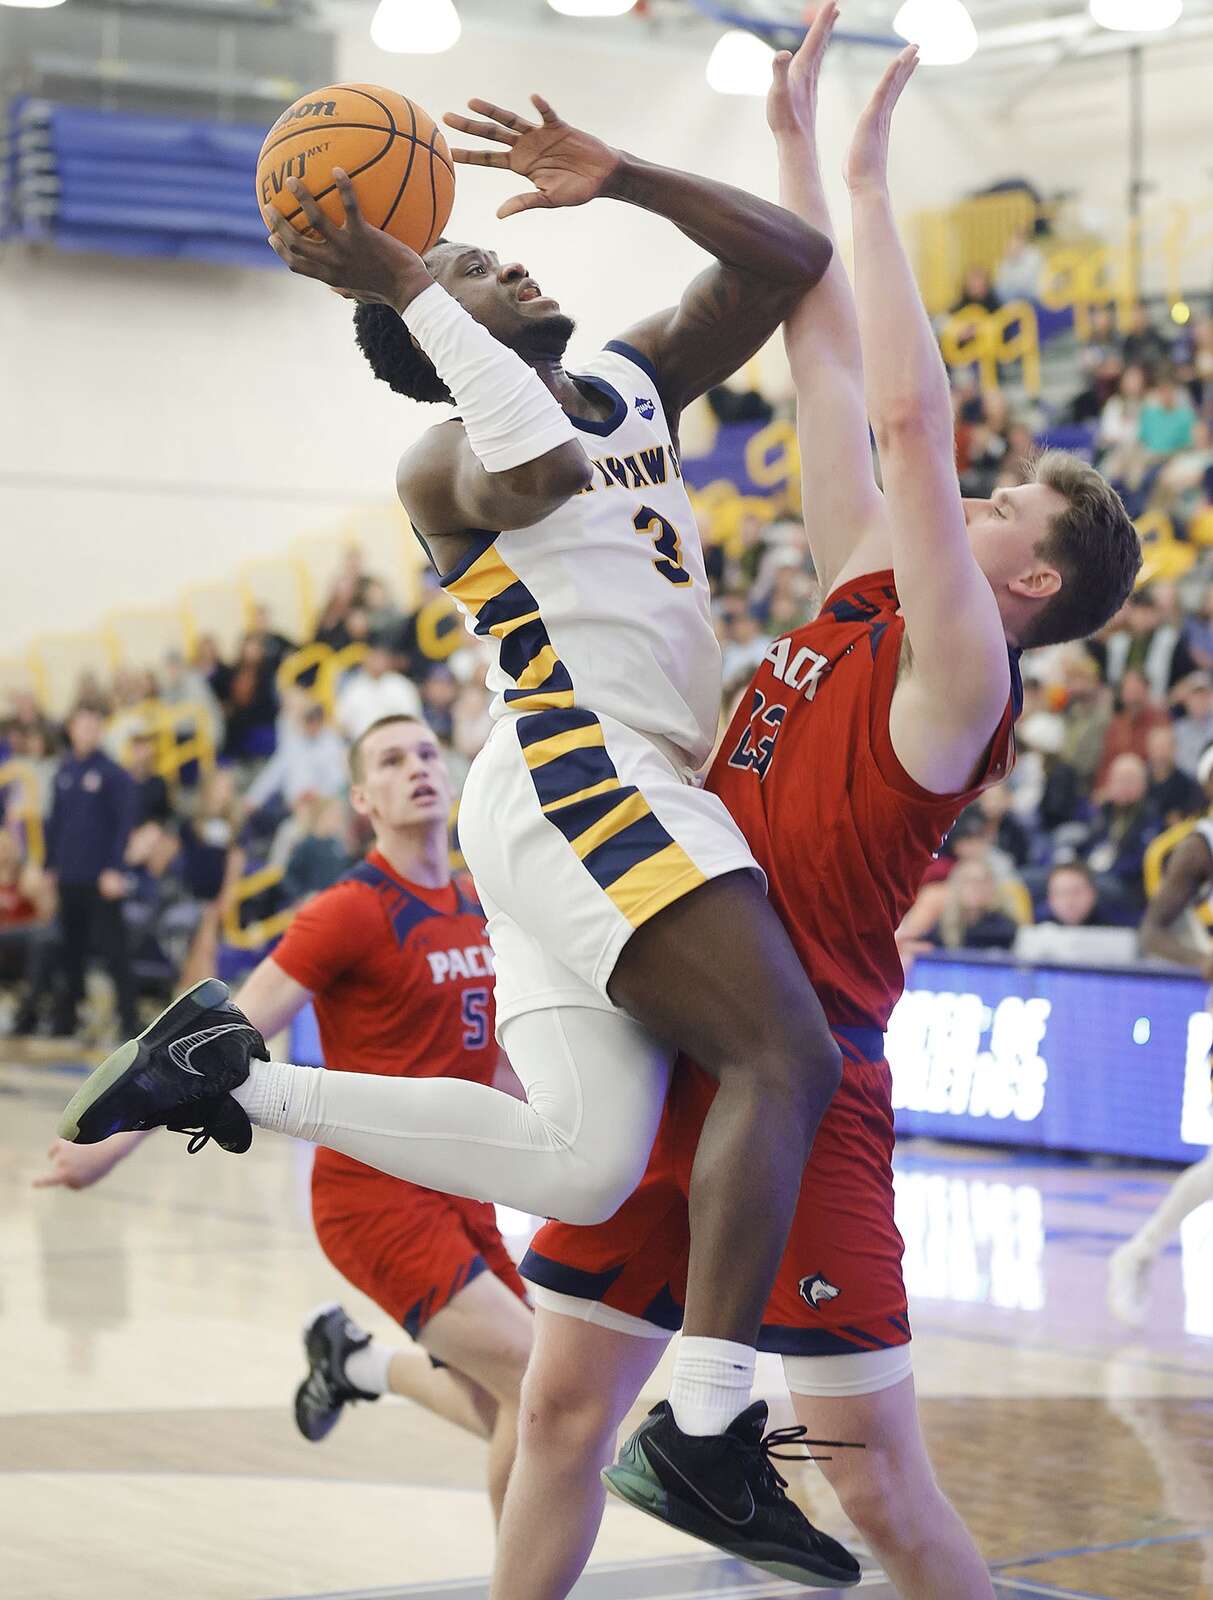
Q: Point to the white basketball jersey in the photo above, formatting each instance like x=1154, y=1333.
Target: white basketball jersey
x=604, y=604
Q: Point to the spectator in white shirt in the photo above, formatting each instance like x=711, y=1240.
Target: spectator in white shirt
x=375, y=691
x=1019, y=271
x=1194, y=730
x=310, y=759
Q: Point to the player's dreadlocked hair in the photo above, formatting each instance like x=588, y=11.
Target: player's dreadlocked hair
x=395, y=359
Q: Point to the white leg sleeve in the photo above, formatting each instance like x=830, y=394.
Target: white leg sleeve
x=574, y=1149
x=1191, y=1189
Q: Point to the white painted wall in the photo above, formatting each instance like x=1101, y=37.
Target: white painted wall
x=160, y=424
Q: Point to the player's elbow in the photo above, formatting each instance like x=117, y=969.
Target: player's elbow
x=913, y=418
x=817, y=254
x=803, y=261
x=556, y=476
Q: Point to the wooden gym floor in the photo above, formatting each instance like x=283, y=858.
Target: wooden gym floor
x=150, y=1347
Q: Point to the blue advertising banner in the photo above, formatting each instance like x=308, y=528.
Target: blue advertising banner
x=1054, y=1058
x=1047, y=1058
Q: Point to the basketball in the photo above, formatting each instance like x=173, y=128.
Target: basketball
x=394, y=152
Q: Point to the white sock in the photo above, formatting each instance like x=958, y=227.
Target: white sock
x=367, y=1369
x=711, y=1384
x=574, y=1149
x=266, y=1093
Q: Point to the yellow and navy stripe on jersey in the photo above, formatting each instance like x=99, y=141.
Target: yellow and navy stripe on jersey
x=608, y=824
x=506, y=610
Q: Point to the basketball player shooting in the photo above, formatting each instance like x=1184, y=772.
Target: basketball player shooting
x=627, y=914
x=862, y=737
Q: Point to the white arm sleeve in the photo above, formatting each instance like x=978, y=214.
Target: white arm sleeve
x=508, y=414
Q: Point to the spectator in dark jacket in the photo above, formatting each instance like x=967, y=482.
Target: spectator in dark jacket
x=1008, y=833
x=249, y=698
x=92, y=813
x=1125, y=825
x=151, y=792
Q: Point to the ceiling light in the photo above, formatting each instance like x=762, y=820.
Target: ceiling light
x=740, y=64
x=32, y=5
x=1136, y=16
x=592, y=8
x=942, y=29
x=416, y=27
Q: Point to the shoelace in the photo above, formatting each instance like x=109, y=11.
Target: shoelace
x=802, y=1450
x=198, y=1137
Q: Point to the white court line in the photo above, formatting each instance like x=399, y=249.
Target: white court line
x=758, y=1589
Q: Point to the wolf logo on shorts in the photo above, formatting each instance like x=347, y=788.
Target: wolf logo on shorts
x=816, y=1290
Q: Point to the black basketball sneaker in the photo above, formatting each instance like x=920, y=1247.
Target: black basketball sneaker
x=723, y=1489
x=177, y=1074
x=329, y=1339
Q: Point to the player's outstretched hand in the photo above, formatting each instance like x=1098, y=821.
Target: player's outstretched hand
x=566, y=166
x=868, y=162
x=76, y=1166
x=358, y=261
x=792, y=98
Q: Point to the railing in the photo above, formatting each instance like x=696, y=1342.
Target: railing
x=972, y=233
x=167, y=723
x=1164, y=251
x=305, y=659
x=52, y=664
x=975, y=337
x=1165, y=558
x=434, y=644
x=332, y=670
x=253, y=935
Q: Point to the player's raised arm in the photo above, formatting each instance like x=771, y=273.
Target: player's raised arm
x=952, y=619
x=516, y=457
x=766, y=258
x=843, y=510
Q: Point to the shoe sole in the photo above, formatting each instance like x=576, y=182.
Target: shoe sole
x=309, y=1329
x=640, y=1492
x=312, y=1438
x=114, y=1068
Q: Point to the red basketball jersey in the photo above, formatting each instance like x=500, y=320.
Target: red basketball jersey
x=401, y=978
x=843, y=832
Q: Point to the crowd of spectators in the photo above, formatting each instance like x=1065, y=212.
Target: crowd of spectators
x=141, y=870
x=138, y=870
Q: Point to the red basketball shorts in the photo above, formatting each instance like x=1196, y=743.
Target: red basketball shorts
x=410, y=1249
x=840, y=1287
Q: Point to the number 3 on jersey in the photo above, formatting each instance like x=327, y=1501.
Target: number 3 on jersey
x=665, y=537
x=756, y=747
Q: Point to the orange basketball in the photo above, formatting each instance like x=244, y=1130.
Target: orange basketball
x=395, y=155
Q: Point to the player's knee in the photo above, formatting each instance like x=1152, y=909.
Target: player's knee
x=788, y=1071
x=567, y=1417
x=888, y=1504
x=595, y=1194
